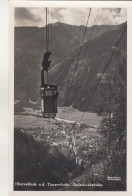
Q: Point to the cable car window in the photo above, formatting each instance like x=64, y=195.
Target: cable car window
x=48, y=93
x=54, y=92
x=42, y=93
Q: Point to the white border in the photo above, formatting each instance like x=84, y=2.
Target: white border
x=111, y=4
x=4, y=97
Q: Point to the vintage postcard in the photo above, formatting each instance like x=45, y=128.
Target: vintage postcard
x=70, y=69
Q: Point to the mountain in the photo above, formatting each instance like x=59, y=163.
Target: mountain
x=66, y=39
x=90, y=65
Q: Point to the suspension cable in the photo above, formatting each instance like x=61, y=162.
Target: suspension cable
x=48, y=26
x=46, y=31
x=91, y=33
x=51, y=31
x=90, y=37
x=103, y=73
x=77, y=59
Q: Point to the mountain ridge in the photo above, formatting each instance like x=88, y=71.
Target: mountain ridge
x=99, y=51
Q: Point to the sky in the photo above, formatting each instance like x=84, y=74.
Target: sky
x=74, y=16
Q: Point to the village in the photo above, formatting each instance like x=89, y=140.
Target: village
x=77, y=142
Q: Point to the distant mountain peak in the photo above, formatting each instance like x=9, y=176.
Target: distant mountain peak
x=66, y=39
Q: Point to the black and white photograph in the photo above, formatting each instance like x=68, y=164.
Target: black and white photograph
x=70, y=98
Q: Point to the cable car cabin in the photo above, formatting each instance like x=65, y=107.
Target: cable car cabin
x=49, y=101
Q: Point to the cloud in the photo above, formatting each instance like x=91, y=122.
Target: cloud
x=73, y=16
x=28, y=16
x=105, y=16
x=113, y=16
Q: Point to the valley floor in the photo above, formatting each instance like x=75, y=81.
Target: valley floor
x=80, y=143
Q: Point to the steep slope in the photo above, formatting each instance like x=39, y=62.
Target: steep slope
x=90, y=65
x=34, y=162
x=29, y=52
x=64, y=39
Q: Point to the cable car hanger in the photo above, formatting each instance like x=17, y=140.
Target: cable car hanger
x=49, y=92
